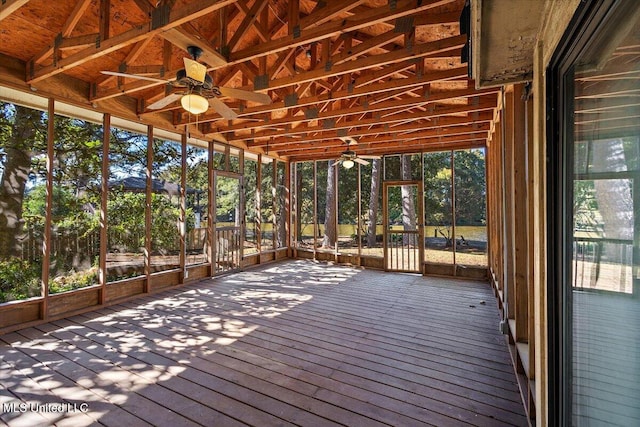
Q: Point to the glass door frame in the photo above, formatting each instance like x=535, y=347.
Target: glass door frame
x=419, y=222
x=582, y=29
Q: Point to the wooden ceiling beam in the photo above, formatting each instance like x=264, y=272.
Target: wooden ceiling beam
x=417, y=51
x=357, y=92
x=331, y=29
x=70, y=24
x=378, y=134
x=185, y=36
x=425, y=148
x=177, y=17
x=9, y=6
x=369, y=109
x=324, y=12
x=383, y=146
x=249, y=19
x=487, y=103
x=366, y=47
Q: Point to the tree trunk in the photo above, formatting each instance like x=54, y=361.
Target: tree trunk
x=329, y=239
x=408, y=199
x=17, y=165
x=373, y=202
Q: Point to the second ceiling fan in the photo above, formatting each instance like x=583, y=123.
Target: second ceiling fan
x=194, y=87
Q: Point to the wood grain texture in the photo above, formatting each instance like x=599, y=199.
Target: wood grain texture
x=290, y=343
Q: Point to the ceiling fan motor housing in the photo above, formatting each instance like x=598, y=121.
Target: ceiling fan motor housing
x=181, y=77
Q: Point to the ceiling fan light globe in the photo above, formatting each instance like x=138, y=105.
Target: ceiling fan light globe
x=194, y=103
x=348, y=164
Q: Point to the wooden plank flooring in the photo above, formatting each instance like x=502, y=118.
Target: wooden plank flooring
x=292, y=343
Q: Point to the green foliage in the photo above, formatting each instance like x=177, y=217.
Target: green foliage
x=470, y=186
x=19, y=279
x=73, y=280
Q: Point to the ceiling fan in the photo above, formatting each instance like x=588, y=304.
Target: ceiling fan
x=349, y=158
x=195, y=89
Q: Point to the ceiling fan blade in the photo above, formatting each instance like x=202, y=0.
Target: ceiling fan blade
x=161, y=103
x=222, y=109
x=336, y=163
x=245, y=95
x=364, y=156
x=361, y=161
x=133, y=76
x=195, y=70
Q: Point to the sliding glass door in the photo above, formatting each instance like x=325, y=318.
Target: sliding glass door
x=595, y=221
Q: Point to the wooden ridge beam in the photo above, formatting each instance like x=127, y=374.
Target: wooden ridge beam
x=177, y=17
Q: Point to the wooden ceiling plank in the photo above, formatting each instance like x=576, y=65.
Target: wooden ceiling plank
x=250, y=17
x=144, y=6
x=326, y=12
x=331, y=29
x=177, y=17
x=9, y=6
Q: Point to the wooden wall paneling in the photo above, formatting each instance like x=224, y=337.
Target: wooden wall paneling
x=520, y=215
x=509, y=204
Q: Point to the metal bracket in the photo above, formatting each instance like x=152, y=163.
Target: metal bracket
x=328, y=65
x=261, y=82
x=311, y=113
x=291, y=100
x=297, y=32
x=328, y=124
x=404, y=25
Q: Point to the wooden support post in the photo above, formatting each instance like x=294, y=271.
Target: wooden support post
x=508, y=209
x=274, y=193
x=46, y=240
x=147, y=211
x=183, y=209
x=259, y=206
x=360, y=214
x=315, y=209
x=520, y=216
x=531, y=231
x=453, y=212
x=287, y=204
x=104, y=199
x=210, y=224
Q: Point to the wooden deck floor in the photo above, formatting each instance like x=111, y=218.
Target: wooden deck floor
x=293, y=343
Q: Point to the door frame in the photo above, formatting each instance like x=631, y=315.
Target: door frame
x=419, y=222
x=214, y=221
